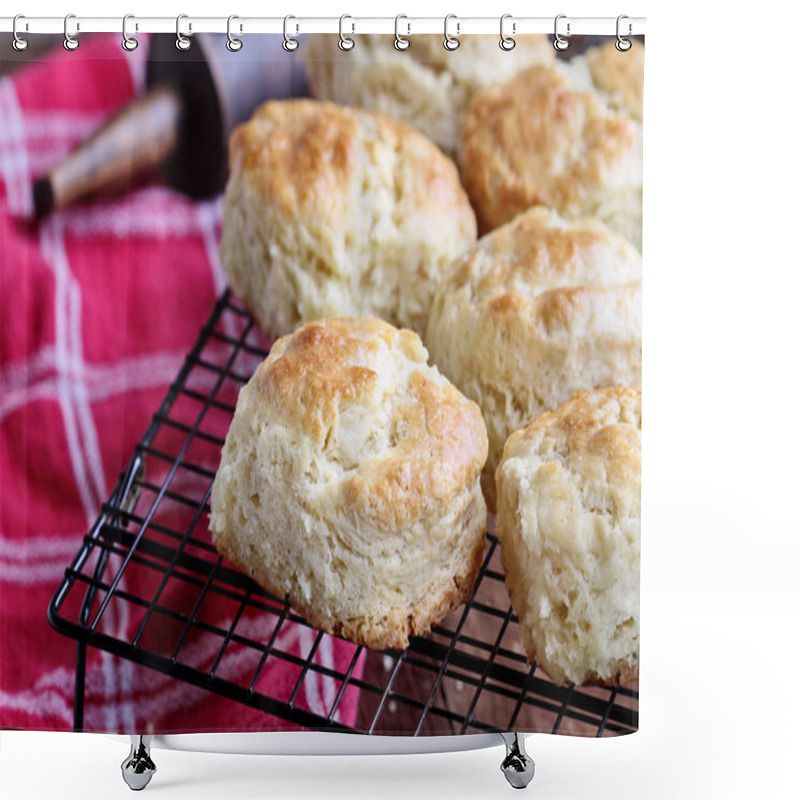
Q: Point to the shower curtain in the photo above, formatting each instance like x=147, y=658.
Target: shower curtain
x=120, y=369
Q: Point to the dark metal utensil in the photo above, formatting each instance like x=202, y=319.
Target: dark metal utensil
x=180, y=127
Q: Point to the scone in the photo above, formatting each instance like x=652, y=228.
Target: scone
x=332, y=211
x=349, y=482
x=425, y=85
x=538, y=310
x=569, y=521
x=539, y=140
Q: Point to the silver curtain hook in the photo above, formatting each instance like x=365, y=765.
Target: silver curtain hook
x=233, y=44
x=401, y=42
x=128, y=42
x=18, y=43
x=451, y=42
x=345, y=42
x=289, y=44
x=623, y=45
x=181, y=41
x=70, y=42
x=507, y=42
x=560, y=42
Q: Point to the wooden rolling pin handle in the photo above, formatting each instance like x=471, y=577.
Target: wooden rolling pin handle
x=137, y=140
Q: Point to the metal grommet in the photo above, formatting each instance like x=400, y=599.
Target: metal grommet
x=182, y=42
x=345, y=42
x=70, y=42
x=506, y=42
x=400, y=42
x=451, y=42
x=623, y=45
x=18, y=43
x=289, y=44
x=560, y=42
x=128, y=42
x=233, y=44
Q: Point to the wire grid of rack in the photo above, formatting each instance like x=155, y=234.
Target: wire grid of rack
x=150, y=556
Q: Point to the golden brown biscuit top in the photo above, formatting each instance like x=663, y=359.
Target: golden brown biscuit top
x=312, y=373
x=477, y=62
x=361, y=393
x=476, y=56
x=311, y=160
x=595, y=438
x=538, y=136
x=428, y=49
x=539, y=251
x=619, y=73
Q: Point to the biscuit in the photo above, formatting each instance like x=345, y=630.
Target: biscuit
x=349, y=482
x=617, y=76
x=569, y=522
x=539, y=140
x=539, y=309
x=331, y=211
x=425, y=85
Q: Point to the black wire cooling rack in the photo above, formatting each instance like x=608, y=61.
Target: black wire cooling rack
x=149, y=560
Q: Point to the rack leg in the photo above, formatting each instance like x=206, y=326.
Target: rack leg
x=138, y=768
x=80, y=686
x=517, y=766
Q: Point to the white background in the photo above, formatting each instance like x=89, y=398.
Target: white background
x=720, y=599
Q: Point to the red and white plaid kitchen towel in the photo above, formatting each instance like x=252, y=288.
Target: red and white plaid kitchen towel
x=98, y=307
